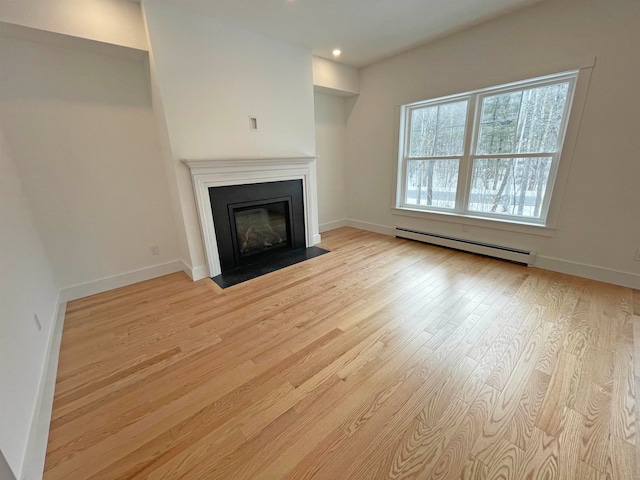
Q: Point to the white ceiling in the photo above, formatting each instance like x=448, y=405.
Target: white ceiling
x=365, y=30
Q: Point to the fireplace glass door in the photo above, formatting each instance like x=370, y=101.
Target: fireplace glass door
x=260, y=228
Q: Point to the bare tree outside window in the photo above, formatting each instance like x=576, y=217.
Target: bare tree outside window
x=526, y=121
x=436, y=131
x=502, y=162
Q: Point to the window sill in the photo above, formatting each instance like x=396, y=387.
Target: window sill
x=484, y=222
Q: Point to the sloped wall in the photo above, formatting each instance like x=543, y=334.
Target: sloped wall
x=116, y=22
x=82, y=131
x=27, y=288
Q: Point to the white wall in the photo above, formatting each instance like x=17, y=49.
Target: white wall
x=82, y=131
x=26, y=288
x=331, y=144
x=211, y=77
x=118, y=22
x=598, y=228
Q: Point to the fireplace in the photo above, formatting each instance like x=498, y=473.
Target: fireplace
x=214, y=173
x=255, y=222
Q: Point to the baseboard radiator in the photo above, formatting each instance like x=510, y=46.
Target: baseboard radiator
x=515, y=255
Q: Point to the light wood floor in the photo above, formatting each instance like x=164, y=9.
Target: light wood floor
x=385, y=358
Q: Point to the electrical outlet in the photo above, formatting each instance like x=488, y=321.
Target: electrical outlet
x=637, y=257
x=155, y=250
x=36, y=320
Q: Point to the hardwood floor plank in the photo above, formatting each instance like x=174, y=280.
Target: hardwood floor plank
x=506, y=461
x=488, y=362
x=555, y=399
x=596, y=432
x=580, y=334
x=362, y=401
x=509, y=360
x=622, y=463
x=521, y=426
x=510, y=318
x=451, y=464
x=106, y=445
x=396, y=415
x=587, y=472
x=418, y=449
x=473, y=469
x=198, y=435
x=385, y=358
x=549, y=356
x=595, y=366
x=487, y=446
x=541, y=457
x=569, y=442
x=436, y=403
x=251, y=456
x=623, y=407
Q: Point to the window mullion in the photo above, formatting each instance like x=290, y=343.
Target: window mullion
x=464, y=171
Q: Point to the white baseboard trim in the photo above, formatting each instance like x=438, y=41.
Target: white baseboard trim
x=317, y=238
x=116, y=281
x=198, y=273
x=33, y=464
x=617, y=277
x=372, y=227
x=325, y=227
x=601, y=274
x=188, y=269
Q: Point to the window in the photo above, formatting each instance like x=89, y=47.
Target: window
x=492, y=153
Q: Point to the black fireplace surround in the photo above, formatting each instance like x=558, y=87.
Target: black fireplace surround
x=257, y=221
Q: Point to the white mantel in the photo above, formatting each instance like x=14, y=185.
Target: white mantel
x=223, y=172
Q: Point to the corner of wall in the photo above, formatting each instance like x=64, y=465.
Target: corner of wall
x=34, y=460
x=169, y=162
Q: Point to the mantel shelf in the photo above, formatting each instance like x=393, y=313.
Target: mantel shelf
x=203, y=164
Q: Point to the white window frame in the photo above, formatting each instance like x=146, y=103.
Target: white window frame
x=461, y=212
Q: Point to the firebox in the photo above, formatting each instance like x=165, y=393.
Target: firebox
x=258, y=221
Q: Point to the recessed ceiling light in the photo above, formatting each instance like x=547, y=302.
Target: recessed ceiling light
x=336, y=52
